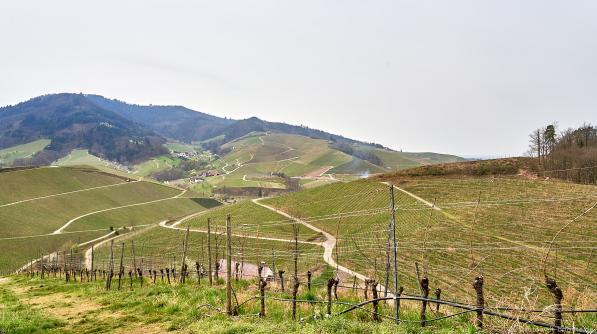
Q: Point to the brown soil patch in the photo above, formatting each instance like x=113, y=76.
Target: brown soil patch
x=318, y=172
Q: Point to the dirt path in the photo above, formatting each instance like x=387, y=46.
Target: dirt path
x=174, y=227
x=61, y=229
x=66, y=193
x=328, y=244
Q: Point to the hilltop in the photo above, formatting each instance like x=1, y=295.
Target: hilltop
x=66, y=129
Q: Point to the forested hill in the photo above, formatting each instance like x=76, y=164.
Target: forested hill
x=72, y=121
x=188, y=125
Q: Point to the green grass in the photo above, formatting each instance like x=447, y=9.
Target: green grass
x=181, y=147
x=151, y=213
x=357, y=166
x=36, y=202
x=15, y=253
x=155, y=165
x=48, y=214
x=396, y=160
x=10, y=154
x=80, y=158
x=38, y=182
x=162, y=307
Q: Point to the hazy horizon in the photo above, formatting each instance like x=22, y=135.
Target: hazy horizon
x=468, y=78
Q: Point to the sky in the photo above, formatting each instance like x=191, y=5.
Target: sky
x=467, y=77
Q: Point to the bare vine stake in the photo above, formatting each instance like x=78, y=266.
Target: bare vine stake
x=262, y=285
x=375, y=301
x=478, y=286
x=281, y=273
x=438, y=293
x=228, y=266
x=295, y=228
x=42, y=265
x=134, y=258
x=131, y=280
x=209, y=267
x=424, y=284
x=184, y=256
x=393, y=222
x=331, y=282
x=557, y=300
x=92, y=260
x=110, y=264
x=121, y=267
x=274, y=264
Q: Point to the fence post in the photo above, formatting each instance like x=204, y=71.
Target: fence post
x=42, y=265
x=274, y=264
x=393, y=222
x=131, y=280
x=110, y=264
x=375, y=301
x=183, y=267
x=336, y=282
x=281, y=273
x=198, y=272
x=262, y=285
x=425, y=294
x=209, y=267
x=134, y=258
x=120, y=267
x=331, y=282
x=478, y=286
x=557, y=300
x=438, y=293
x=309, y=273
x=228, y=266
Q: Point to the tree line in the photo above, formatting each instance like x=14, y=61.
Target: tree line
x=570, y=153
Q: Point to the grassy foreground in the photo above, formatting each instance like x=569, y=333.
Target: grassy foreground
x=53, y=306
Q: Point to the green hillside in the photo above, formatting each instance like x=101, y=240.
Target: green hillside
x=250, y=218
x=68, y=205
x=9, y=155
x=509, y=232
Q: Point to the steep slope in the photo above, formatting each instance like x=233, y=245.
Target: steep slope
x=72, y=121
x=170, y=121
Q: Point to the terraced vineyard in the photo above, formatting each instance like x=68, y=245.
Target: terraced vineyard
x=44, y=209
x=254, y=159
x=505, y=236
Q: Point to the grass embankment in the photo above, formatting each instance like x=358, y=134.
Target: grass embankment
x=506, y=237
x=53, y=306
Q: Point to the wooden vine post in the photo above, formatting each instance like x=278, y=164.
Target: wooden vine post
x=438, y=294
x=478, y=286
x=331, y=283
x=557, y=301
x=228, y=266
x=209, y=267
x=375, y=302
x=262, y=285
x=183, y=267
x=121, y=267
x=295, y=286
x=424, y=283
x=393, y=222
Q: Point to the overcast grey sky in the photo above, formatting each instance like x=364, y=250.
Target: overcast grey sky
x=465, y=77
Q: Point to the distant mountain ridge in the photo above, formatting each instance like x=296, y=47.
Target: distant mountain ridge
x=131, y=133
x=188, y=125
x=72, y=121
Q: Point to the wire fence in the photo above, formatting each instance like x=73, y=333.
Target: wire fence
x=536, y=248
